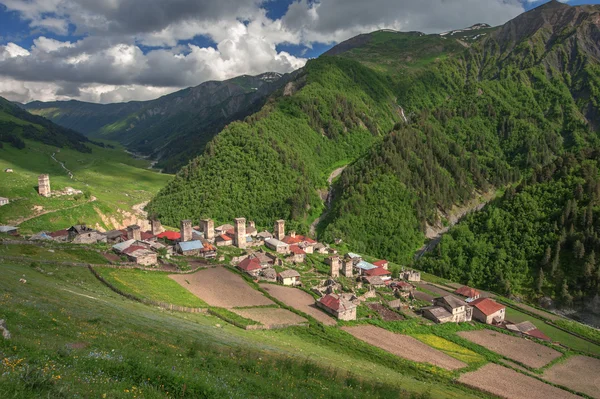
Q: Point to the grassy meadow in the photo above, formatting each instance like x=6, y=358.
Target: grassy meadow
x=155, y=286
x=115, y=179
x=73, y=337
x=554, y=333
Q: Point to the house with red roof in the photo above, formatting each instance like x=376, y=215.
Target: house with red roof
x=223, y=240
x=306, y=243
x=339, y=306
x=468, y=292
x=382, y=263
x=250, y=266
x=170, y=235
x=488, y=311
x=378, y=271
x=297, y=254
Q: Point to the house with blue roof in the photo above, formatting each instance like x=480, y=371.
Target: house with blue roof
x=196, y=248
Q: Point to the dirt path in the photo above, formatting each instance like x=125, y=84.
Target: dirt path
x=271, y=317
x=22, y=220
x=332, y=176
x=63, y=165
x=138, y=209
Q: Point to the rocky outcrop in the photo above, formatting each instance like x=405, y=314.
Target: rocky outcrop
x=4, y=330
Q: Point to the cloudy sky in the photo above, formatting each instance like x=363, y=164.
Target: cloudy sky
x=121, y=50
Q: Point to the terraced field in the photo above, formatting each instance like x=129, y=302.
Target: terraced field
x=507, y=383
x=299, y=300
x=404, y=346
x=520, y=349
x=580, y=373
x=222, y=288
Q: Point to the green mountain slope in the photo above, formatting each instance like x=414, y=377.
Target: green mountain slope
x=515, y=103
x=270, y=165
x=81, y=116
x=17, y=125
x=540, y=239
x=171, y=129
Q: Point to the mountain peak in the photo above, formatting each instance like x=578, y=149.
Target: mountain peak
x=552, y=17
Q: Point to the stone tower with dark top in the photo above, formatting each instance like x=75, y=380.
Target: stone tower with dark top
x=156, y=227
x=134, y=232
x=279, y=229
x=347, y=267
x=334, y=261
x=44, y=185
x=186, y=230
x=208, y=227
x=240, y=233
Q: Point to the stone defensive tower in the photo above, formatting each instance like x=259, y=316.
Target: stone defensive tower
x=279, y=229
x=134, y=232
x=186, y=230
x=347, y=267
x=156, y=227
x=44, y=185
x=334, y=262
x=240, y=233
x=208, y=227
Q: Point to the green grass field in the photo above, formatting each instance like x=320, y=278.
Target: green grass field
x=55, y=252
x=554, y=333
x=155, y=286
x=73, y=337
x=114, y=178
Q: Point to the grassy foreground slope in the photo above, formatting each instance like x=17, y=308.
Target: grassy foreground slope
x=72, y=337
x=112, y=182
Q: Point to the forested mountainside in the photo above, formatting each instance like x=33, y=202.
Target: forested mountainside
x=17, y=125
x=541, y=238
x=422, y=131
x=270, y=165
x=174, y=128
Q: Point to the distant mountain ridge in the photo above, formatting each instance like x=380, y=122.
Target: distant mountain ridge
x=16, y=125
x=173, y=128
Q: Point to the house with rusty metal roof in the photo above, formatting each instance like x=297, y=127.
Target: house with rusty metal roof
x=338, y=305
x=250, y=266
x=470, y=293
x=488, y=311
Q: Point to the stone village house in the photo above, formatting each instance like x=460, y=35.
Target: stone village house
x=289, y=277
x=448, y=309
x=338, y=305
x=488, y=311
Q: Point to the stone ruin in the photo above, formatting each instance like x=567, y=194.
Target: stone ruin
x=5, y=332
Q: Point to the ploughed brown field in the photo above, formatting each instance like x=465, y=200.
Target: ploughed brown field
x=510, y=384
x=271, y=317
x=516, y=348
x=404, y=346
x=579, y=373
x=299, y=300
x=220, y=287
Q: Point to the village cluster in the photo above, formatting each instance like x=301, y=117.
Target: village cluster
x=202, y=241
